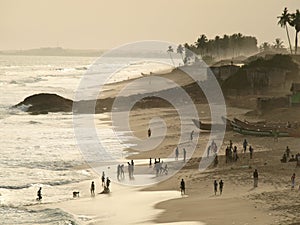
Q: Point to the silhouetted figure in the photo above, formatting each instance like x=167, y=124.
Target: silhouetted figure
x=293, y=180
x=39, y=194
x=192, y=134
x=107, y=182
x=221, y=185
x=132, y=168
x=215, y=186
x=129, y=170
x=182, y=187
x=122, y=171
x=216, y=160
x=255, y=178
x=184, y=154
x=118, y=172
x=103, y=179
x=176, y=153
x=245, y=144
x=251, y=151
x=284, y=158
x=149, y=132
x=93, y=189
x=150, y=162
x=287, y=151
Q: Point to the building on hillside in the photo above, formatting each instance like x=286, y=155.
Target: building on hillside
x=294, y=98
x=260, y=77
x=223, y=72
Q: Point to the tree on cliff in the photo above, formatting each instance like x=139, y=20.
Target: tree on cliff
x=295, y=22
x=284, y=20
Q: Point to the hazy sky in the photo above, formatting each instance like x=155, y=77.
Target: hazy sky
x=104, y=24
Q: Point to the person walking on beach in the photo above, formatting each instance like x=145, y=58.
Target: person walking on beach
x=93, y=189
x=221, y=185
x=255, y=178
x=251, y=151
x=184, y=154
x=122, y=171
x=107, y=182
x=103, y=179
x=176, y=153
x=132, y=168
x=215, y=187
x=150, y=162
x=293, y=180
x=118, y=171
x=287, y=151
x=129, y=170
x=149, y=132
x=39, y=194
x=182, y=187
x=192, y=134
x=245, y=144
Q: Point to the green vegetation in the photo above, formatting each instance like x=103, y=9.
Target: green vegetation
x=228, y=46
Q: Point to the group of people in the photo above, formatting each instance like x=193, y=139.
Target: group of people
x=220, y=184
x=120, y=172
x=288, y=157
x=177, y=154
x=231, y=152
x=130, y=169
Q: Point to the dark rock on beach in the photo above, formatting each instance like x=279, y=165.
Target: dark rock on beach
x=44, y=103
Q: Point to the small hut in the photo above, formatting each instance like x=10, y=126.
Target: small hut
x=295, y=96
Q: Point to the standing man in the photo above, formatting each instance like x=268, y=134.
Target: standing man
x=293, y=180
x=251, y=151
x=245, y=144
x=182, y=187
x=255, y=178
x=215, y=186
x=221, y=185
x=192, y=134
x=93, y=189
x=176, y=153
x=184, y=154
x=103, y=179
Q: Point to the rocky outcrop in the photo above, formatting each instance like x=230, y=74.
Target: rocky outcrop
x=44, y=103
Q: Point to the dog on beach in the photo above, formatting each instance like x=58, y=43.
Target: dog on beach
x=75, y=194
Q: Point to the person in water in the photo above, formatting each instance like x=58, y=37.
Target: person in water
x=39, y=194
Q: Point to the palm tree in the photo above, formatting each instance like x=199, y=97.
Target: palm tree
x=295, y=22
x=180, y=50
x=284, y=20
x=201, y=43
x=170, y=50
x=278, y=44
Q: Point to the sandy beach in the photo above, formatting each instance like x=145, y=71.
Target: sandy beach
x=272, y=202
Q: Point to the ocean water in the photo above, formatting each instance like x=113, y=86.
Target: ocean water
x=41, y=150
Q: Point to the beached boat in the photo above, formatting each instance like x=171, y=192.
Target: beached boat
x=261, y=132
x=210, y=126
x=264, y=129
